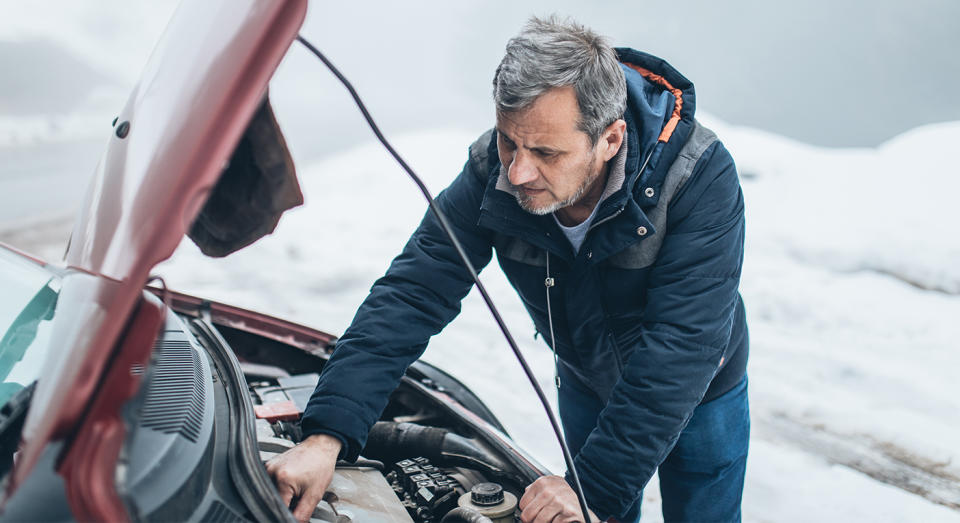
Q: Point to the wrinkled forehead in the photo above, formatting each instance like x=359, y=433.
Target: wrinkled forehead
x=552, y=119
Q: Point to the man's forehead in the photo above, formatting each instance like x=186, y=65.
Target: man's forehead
x=551, y=118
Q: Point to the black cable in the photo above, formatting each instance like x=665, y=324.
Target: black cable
x=466, y=262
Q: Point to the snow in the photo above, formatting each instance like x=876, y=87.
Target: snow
x=849, y=280
x=784, y=484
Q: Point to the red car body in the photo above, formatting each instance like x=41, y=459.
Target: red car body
x=167, y=150
x=149, y=186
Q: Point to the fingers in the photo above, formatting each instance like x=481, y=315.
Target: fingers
x=549, y=513
x=305, y=495
x=286, y=494
x=289, y=491
x=550, y=500
x=302, y=475
x=306, y=504
x=527, y=510
x=532, y=491
x=534, y=503
x=531, y=511
x=286, y=487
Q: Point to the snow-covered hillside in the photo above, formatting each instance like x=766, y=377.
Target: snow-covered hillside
x=851, y=284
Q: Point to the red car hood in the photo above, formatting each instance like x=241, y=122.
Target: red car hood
x=205, y=79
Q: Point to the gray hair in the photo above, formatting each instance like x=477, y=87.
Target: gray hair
x=550, y=53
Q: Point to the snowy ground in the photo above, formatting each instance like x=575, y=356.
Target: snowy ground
x=850, y=282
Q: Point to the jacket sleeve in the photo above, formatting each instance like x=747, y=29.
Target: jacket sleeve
x=420, y=293
x=687, y=323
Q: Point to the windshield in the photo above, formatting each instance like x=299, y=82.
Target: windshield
x=28, y=299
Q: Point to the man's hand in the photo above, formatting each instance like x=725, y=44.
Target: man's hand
x=304, y=472
x=551, y=500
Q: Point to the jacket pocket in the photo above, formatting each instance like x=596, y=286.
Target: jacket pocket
x=617, y=356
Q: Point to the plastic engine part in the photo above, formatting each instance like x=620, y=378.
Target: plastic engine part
x=426, y=491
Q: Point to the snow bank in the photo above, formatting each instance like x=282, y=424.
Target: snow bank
x=889, y=210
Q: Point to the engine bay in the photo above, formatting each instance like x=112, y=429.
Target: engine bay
x=223, y=392
x=412, y=468
x=219, y=401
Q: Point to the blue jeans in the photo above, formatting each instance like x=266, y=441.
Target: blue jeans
x=702, y=477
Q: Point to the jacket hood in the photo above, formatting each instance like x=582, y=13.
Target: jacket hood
x=660, y=114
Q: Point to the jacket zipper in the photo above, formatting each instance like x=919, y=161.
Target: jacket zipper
x=549, y=282
x=608, y=218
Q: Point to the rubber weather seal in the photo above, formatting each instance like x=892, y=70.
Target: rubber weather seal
x=246, y=471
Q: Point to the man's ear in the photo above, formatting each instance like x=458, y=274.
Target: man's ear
x=612, y=138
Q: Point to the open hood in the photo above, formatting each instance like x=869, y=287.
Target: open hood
x=197, y=95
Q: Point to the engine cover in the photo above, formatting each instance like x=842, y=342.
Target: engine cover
x=360, y=494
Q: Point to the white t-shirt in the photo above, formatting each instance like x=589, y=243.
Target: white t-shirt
x=615, y=181
x=577, y=233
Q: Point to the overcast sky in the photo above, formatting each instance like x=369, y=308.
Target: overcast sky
x=830, y=73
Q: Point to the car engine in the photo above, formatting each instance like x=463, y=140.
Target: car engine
x=408, y=471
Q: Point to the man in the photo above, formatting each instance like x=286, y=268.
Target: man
x=602, y=194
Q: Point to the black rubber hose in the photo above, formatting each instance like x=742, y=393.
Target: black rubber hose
x=391, y=442
x=362, y=464
x=465, y=515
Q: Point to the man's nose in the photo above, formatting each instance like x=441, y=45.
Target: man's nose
x=522, y=170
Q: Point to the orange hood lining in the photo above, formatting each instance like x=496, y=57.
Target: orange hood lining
x=677, y=94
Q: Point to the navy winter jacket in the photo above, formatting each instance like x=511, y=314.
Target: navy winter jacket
x=647, y=313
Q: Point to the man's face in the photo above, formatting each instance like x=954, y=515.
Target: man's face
x=549, y=161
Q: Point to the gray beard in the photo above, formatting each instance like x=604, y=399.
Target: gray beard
x=524, y=201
